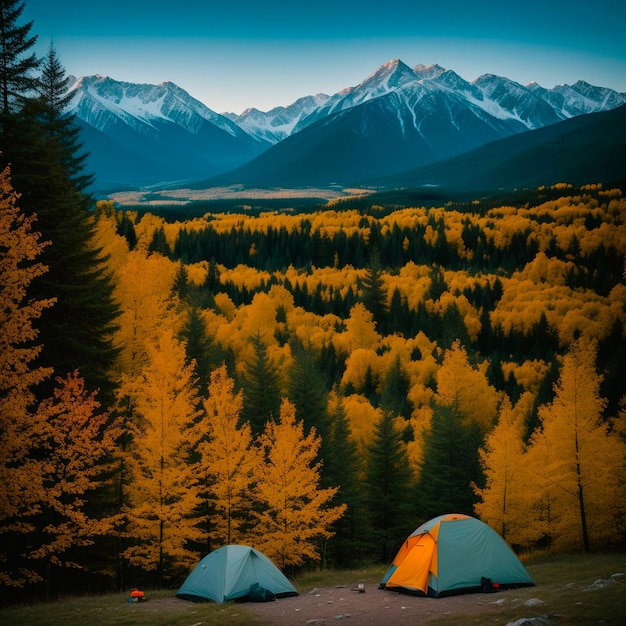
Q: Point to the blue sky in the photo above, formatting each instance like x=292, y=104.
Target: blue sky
x=243, y=53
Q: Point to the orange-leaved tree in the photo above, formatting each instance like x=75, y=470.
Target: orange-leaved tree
x=21, y=431
x=79, y=450
x=228, y=460
x=162, y=487
x=581, y=460
x=294, y=511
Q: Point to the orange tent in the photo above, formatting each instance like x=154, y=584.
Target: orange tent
x=453, y=554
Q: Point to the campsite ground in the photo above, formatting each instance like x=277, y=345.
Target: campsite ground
x=373, y=607
x=577, y=589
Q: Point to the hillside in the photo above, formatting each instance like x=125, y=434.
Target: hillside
x=581, y=150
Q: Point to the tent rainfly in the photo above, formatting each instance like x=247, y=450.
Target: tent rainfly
x=238, y=573
x=453, y=554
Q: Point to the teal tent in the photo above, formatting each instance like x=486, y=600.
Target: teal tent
x=235, y=573
x=453, y=554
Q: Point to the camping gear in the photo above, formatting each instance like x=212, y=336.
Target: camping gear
x=453, y=554
x=136, y=595
x=238, y=573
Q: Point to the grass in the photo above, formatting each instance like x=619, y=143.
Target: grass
x=565, y=592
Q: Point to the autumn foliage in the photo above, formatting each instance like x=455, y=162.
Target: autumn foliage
x=500, y=327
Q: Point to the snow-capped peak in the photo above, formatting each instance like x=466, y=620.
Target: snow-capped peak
x=95, y=94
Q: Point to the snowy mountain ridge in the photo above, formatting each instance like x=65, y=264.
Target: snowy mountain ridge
x=398, y=117
x=95, y=95
x=531, y=105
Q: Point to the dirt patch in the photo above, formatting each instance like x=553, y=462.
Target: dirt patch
x=373, y=607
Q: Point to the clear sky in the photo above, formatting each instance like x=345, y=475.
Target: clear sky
x=234, y=54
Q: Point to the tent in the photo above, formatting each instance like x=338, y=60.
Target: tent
x=453, y=554
x=235, y=572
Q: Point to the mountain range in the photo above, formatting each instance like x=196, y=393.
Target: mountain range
x=396, y=120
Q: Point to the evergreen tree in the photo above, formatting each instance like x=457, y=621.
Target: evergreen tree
x=373, y=293
x=53, y=92
x=394, y=396
x=17, y=63
x=200, y=348
x=390, y=488
x=450, y=465
x=342, y=467
x=261, y=389
x=307, y=392
x=77, y=333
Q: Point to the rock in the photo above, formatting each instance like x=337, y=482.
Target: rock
x=539, y=620
x=600, y=584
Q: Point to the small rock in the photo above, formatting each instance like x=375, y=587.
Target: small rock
x=533, y=602
x=600, y=584
x=540, y=620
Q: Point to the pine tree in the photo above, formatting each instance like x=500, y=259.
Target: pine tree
x=374, y=294
x=343, y=468
x=395, y=391
x=390, y=483
x=450, y=465
x=16, y=63
x=261, y=399
x=200, y=348
x=42, y=144
x=307, y=392
x=53, y=92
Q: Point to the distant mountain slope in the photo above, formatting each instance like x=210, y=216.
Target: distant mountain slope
x=396, y=119
x=401, y=118
x=380, y=136
x=589, y=148
x=146, y=134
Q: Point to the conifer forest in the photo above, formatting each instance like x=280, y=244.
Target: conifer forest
x=313, y=381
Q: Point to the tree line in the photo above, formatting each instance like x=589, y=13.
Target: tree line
x=313, y=384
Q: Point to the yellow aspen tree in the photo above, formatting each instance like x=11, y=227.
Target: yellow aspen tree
x=466, y=390
x=360, y=329
x=229, y=461
x=294, y=511
x=585, y=465
x=502, y=459
x=79, y=453
x=143, y=289
x=163, y=490
x=21, y=431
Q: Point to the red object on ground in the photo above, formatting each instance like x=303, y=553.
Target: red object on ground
x=135, y=593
